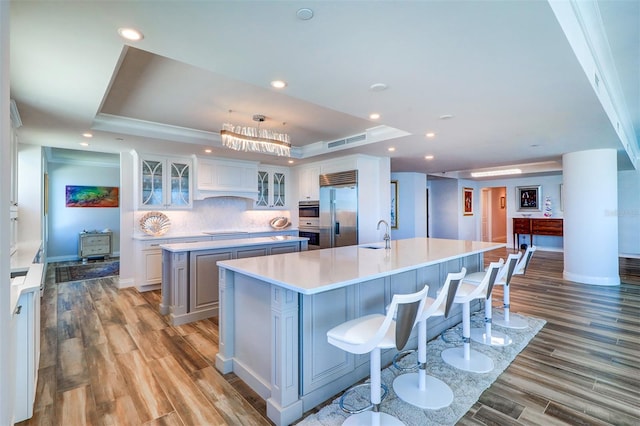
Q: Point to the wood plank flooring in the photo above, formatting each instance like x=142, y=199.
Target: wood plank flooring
x=109, y=358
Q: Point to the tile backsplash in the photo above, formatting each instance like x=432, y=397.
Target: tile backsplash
x=219, y=214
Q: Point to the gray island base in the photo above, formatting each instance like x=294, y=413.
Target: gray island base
x=190, y=274
x=275, y=312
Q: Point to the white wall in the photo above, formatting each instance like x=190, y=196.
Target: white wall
x=444, y=208
x=30, y=192
x=629, y=213
x=7, y=360
x=412, y=205
x=65, y=223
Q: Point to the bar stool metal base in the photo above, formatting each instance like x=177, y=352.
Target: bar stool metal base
x=352, y=389
x=371, y=418
x=496, y=339
x=514, y=322
x=476, y=363
x=437, y=394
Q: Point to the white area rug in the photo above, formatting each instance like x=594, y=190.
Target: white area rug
x=466, y=387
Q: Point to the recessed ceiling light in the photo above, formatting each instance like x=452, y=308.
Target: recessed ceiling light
x=428, y=157
x=278, y=84
x=130, y=34
x=496, y=173
x=304, y=14
x=446, y=117
x=87, y=135
x=391, y=149
x=378, y=87
x=84, y=144
x=208, y=151
x=430, y=135
x=290, y=161
x=374, y=116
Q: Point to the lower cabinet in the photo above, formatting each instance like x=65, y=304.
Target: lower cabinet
x=190, y=284
x=27, y=345
x=204, y=278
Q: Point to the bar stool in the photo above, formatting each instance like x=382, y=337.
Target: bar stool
x=486, y=335
x=506, y=320
x=464, y=358
x=419, y=389
x=371, y=333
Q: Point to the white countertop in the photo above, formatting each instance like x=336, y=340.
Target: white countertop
x=26, y=283
x=315, y=271
x=221, y=244
x=24, y=255
x=208, y=233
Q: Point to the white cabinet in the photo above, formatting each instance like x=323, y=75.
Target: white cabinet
x=216, y=177
x=149, y=262
x=164, y=183
x=149, y=259
x=13, y=227
x=272, y=187
x=308, y=183
x=26, y=319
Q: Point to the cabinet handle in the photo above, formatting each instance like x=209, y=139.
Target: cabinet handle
x=18, y=309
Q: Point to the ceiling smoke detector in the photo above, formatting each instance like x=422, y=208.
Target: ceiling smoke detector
x=304, y=14
x=259, y=118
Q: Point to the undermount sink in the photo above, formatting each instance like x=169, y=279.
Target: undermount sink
x=372, y=247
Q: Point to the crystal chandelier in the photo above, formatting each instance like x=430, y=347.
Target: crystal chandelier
x=255, y=139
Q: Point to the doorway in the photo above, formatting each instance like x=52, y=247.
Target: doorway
x=493, y=205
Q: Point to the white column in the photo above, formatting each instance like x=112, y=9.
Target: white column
x=590, y=195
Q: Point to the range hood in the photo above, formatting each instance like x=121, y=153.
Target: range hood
x=225, y=178
x=204, y=194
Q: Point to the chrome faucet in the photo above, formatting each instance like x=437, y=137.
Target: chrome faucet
x=387, y=237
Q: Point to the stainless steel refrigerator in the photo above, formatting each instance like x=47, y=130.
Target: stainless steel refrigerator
x=339, y=209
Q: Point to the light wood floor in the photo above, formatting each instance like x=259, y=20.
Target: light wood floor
x=109, y=358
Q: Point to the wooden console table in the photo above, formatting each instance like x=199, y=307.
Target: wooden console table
x=552, y=227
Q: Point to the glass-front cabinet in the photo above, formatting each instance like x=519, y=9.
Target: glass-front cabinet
x=165, y=183
x=272, y=185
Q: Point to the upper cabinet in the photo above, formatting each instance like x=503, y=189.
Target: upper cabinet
x=165, y=183
x=309, y=183
x=272, y=187
x=220, y=178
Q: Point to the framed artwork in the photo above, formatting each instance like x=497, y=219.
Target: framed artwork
x=528, y=198
x=467, y=201
x=394, y=204
x=91, y=196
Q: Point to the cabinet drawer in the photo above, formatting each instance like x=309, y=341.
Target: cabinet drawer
x=522, y=226
x=94, y=241
x=547, y=227
x=153, y=245
x=97, y=249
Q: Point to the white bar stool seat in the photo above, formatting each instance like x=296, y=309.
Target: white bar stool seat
x=506, y=320
x=372, y=333
x=465, y=358
x=486, y=335
x=418, y=388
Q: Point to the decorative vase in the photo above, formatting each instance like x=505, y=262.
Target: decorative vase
x=547, y=207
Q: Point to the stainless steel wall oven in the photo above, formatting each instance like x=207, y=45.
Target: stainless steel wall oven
x=309, y=222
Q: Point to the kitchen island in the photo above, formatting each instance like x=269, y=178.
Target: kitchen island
x=190, y=275
x=275, y=312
